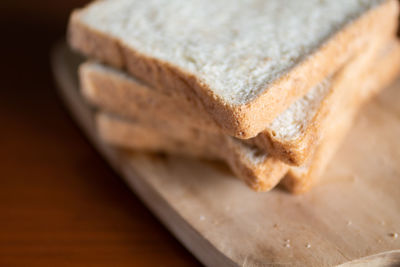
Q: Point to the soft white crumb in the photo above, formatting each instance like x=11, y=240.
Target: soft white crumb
x=202, y=218
x=287, y=245
x=349, y=222
x=222, y=44
x=308, y=246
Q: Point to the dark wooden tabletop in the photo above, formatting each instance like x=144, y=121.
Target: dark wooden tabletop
x=60, y=203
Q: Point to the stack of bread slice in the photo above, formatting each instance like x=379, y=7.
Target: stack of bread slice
x=269, y=87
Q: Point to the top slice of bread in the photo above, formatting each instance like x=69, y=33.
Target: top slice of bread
x=291, y=137
x=245, y=62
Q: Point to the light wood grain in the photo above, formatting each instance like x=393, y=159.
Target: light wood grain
x=348, y=219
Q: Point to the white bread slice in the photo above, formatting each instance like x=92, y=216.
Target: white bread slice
x=386, y=68
x=291, y=137
x=259, y=170
x=244, y=62
x=294, y=135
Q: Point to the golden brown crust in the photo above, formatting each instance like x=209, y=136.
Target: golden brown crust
x=247, y=120
x=112, y=91
x=297, y=152
x=385, y=69
x=151, y=138
x=121, y=95
x=139, y=135
x=264, y=176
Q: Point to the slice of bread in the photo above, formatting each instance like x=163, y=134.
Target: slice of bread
x=291, y=137
x=244, y=62
x=259, y=171
x=386, y=68
x=294, y=135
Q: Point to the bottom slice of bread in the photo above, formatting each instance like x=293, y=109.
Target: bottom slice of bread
x=260, y=171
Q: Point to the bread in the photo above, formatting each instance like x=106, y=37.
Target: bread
x=215, y=53
x=294, y=134
x=258, y=170
x=261, y=171
x=385, y=69
x=117, y=92
x=291, y=137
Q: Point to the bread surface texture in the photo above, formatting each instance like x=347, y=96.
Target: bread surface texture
x=294, y=135
x=381, y=73
x=291, y=137
x=245, y=63
x=258, y=170
x=237, y=49
x=117, y=92
x=261, y=171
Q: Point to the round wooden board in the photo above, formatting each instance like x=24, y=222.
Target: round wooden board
x=350, y=218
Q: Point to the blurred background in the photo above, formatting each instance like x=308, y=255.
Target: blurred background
x=60, y=203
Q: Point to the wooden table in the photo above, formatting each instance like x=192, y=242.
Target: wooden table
x=60, y=203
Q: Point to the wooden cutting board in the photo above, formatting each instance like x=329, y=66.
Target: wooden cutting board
x=352, y=217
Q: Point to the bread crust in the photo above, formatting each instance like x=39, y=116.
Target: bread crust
x=267, y=173
x=260, y=175
x=297, y=151
x=118, y=93
x=245, y=120
x=115, y=92
x=377, y=77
